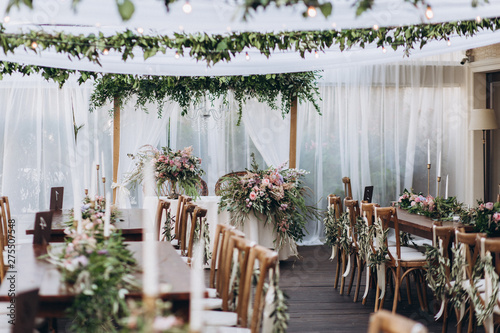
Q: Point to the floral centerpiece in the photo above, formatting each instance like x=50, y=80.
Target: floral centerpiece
x=433, y=207
x=179, y=168
x=485, y=218
x=93, y=215
x=277, y=193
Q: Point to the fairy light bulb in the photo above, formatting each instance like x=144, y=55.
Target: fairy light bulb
x=34, y=45
x=334, y=25
x=375, y=27
x=316, y=54
x=311, y=11
x=383, y=49
x=247, y=56
x=105, y=51
x=187, y=7
x=177, y=56
x=6, y=19
x=478, y=19
x=449, y=42
x=140, y=30
x=429, y=13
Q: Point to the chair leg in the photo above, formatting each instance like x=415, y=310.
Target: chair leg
x=358, y=281
x=353, y=272
x=424, y=290
x=396, y=289
x=459, y=323
x=445, y=318
x=408, y=291
x=337, y=272
x=377, y=295
x=342, y=278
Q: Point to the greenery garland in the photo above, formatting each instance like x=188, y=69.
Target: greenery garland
x=219, y=48
x=332, y=227
x=482, y=310
x=435, y=275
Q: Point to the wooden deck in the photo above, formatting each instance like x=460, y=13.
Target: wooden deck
x=315, y=306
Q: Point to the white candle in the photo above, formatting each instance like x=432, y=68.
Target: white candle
x=107, y=215
x=149, y=250
x=197, y=288
x=439, y=165
x=103, y=172
x=92, y=191
x=85, y=175
x=428, y=151
x=446, y=192
x=77, y=209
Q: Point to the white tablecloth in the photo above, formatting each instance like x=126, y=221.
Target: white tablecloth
x=254, y=229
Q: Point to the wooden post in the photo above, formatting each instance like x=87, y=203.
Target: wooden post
x=116, y=142
x=293, y=135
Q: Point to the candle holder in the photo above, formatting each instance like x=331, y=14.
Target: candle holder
x=428, y=179
x=97, y=179
x=149, y=307
x=439, y=183
x=103, y=186
x=86, y=191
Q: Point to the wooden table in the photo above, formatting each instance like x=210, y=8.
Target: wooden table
x=129, y=222
x=417, y=224
x=30, y=273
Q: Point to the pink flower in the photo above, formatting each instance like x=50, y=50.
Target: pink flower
x=253, y=196
x=489, y=205
x=265, y=181
x=417, y=199
x=413, y=203
x=496, y=217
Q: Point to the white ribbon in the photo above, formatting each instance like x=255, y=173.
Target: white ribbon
x=440, y=248
x=381, y=279
x=348, y=268
x=335, y=249
x=269, y=307
x=122, y=195
x=441, y=310
x=367, y=260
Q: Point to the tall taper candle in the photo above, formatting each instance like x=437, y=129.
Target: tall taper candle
x=103, y=171
x=85, y=175
x=77, y=210
x=439, y=167
x=107, y=215
x=150, y=250
x=428, y=151
x=446, y=191
x=197, y=288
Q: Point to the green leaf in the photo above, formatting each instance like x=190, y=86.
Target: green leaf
x=326, y=9
x=126, y=9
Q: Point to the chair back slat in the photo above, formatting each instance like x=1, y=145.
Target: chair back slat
x=347, y=188
x=185, y=220
x=197, y=220
x=162, y=211
x=334, y=200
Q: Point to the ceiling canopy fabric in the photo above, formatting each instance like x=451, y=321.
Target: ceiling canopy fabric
x=221, y=17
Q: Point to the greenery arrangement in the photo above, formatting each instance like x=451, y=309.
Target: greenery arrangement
x=177, y=167
x=485, y=218
x=100, y=272
x=435, y=208
x=277, y=193
x=93, y=214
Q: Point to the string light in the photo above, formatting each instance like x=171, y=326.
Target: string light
x=105, y=51
x=228, y=28
x=98, y=24
x=34, y=45
x=177, y=56
x=478, y=19
x=311, y=11
x=181, y=28
x=334, y=25
x=140, y=30
x=384, y=50
x=187, y=7
x=429, y=13
x=247, y=56
x=449, y=42
x=316, y=54
x=375, y=27
x=6, y=19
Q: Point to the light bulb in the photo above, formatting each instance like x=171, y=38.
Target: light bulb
x=187, y=7
x=34, y=45
x=334, y=25
x=6, y=19
x=429, y=13
x=247, y=56
x=449, y=42
x=316, y=54
x=311, y=11
x=384, y=50
x=177, y=56
x=478, y=19
x=140, y=30
x=105, y=51
x=375, y=27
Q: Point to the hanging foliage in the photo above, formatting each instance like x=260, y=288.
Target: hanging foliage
x=216, y=48
x=187, y=91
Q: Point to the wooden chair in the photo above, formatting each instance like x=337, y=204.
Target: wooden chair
x=161, y=213
x=186, y=220
x=181, y=201
x=202, y=188
x=352, y=207
x=6, y=217
x=367, y=212
x=385, y=322
x=26, y=309
x=347, y=187
x=197, y=220
x=402, y=263
x=334, y=200
x=220, y=184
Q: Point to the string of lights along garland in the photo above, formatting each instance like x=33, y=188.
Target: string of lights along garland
x=216, y=48
x=126, y=8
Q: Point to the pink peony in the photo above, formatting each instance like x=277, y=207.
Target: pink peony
x=413, y=203
x=265, y=181
x=489, y=205
x=496, y=217
x=253, y=196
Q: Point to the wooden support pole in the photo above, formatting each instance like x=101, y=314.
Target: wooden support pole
x=293, y=135
x=116, y=142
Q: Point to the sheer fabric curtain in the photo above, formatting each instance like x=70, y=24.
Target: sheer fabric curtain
x=374, y=129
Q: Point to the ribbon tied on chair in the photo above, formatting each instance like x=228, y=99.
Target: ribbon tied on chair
x=122, y=195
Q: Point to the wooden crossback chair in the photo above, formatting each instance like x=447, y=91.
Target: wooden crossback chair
x=334, y=200
x=402, y=263
x=385, y=322
x=181, y=201
x=197, y=220
x=367, y=212
x=186, y=220
x=347, y=187
x=352, y=207
x=202, y=188
x=162, y=212
x=221, y=182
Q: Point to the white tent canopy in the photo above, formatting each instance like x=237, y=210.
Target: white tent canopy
x=219, y=17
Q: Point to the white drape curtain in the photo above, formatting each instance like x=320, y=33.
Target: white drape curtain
x=374, y=129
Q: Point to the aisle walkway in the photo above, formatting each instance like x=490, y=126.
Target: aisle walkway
x=315, y=306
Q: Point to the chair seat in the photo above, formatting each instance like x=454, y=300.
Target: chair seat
x=225, y=329
x=404, y=249
x=220, y=318
x=409, y=254
x=212, y=303
x=212, y=292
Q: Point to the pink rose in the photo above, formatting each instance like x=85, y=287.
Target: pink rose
x=265, y=181
x=496, y=217
x=489, y=205
x=253, y=196
x=413, y=203
x=417, y=199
